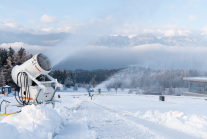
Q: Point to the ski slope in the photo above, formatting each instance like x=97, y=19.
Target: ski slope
x=109, y=115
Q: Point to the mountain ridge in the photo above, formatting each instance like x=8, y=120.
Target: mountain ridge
x=105, y=40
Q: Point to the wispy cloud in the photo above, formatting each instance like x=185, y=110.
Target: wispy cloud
x=31, y=21
x=204, y=32
x=192, y=17
x=49, y=19
x=30, y=48
x=184, y=32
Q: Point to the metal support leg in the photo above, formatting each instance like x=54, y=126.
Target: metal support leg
x=53, y=105
x=9, y=104
x=5, y=106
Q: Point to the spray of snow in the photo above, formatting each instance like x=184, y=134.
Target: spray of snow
x=124, y=77
x=68, y=47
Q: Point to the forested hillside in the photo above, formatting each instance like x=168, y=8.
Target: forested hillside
x=8, y=59
x=131, y=77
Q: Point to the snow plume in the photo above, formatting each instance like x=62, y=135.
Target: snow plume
x=125, y=78
x=148, y=79
x=69, y=47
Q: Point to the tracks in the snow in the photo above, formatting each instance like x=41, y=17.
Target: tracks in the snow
x=108, y=124
x=101, y=122
x=73, y=108
x=154, y=129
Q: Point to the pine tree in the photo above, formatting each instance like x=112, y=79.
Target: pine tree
x=7, y=69
x=0, y=62
x=21, y=52
x=4, y=56
x=16, y=60
x=28, y=56
x=11, y=54
x=68, y=82
x=2, y=79
x=23, y=57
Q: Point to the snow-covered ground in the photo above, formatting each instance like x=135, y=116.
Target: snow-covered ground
x=109, y=115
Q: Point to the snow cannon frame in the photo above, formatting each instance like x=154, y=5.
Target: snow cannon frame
x=35, y=85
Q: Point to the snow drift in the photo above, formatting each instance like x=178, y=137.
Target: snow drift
x=33, y=122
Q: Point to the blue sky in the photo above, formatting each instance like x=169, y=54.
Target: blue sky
x=110, y=17
x=87, y=19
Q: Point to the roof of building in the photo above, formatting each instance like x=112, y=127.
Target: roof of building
x=6, y=86
x=197, y=79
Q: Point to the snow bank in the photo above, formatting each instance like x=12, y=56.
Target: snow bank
x=8, y=131
x=191, y=124
x=33, y=122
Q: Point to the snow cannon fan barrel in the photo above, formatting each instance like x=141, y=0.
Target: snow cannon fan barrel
x=37, y=65
x=36, y=86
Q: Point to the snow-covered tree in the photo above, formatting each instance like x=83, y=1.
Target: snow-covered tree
x=170, y=91
x=4, y=56
x=88, y=87
x=7, y=69
x=23, y=57
x=68, y=82
x=122, y=88
x=108, y=87
x=11, y=54
x=115, y=87
x=75, y=88
x=2, y=79
x=93, y=82
x=16, y=59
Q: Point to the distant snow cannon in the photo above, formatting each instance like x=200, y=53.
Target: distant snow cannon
x=36, y=86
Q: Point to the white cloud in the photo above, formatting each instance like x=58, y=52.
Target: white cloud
x=46, y=29
x=49, y=19
x=184, y=32
x=103, y=26
x=9, y=20
x=192, y=17
x=169, y=33
x=30, y=48
x=204, y=30
x=12, y=25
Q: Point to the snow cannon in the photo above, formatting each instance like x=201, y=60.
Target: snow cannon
x=35, y=85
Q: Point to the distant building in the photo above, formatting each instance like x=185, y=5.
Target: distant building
x=197, y=86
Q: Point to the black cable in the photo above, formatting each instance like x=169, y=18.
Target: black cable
x=25, y=84
x=27, y=89
x=22, y=98
x=24, y=93
x=19, y=101
x=19, y=111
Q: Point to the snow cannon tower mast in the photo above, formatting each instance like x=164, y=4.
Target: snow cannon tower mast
x=36, y=86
